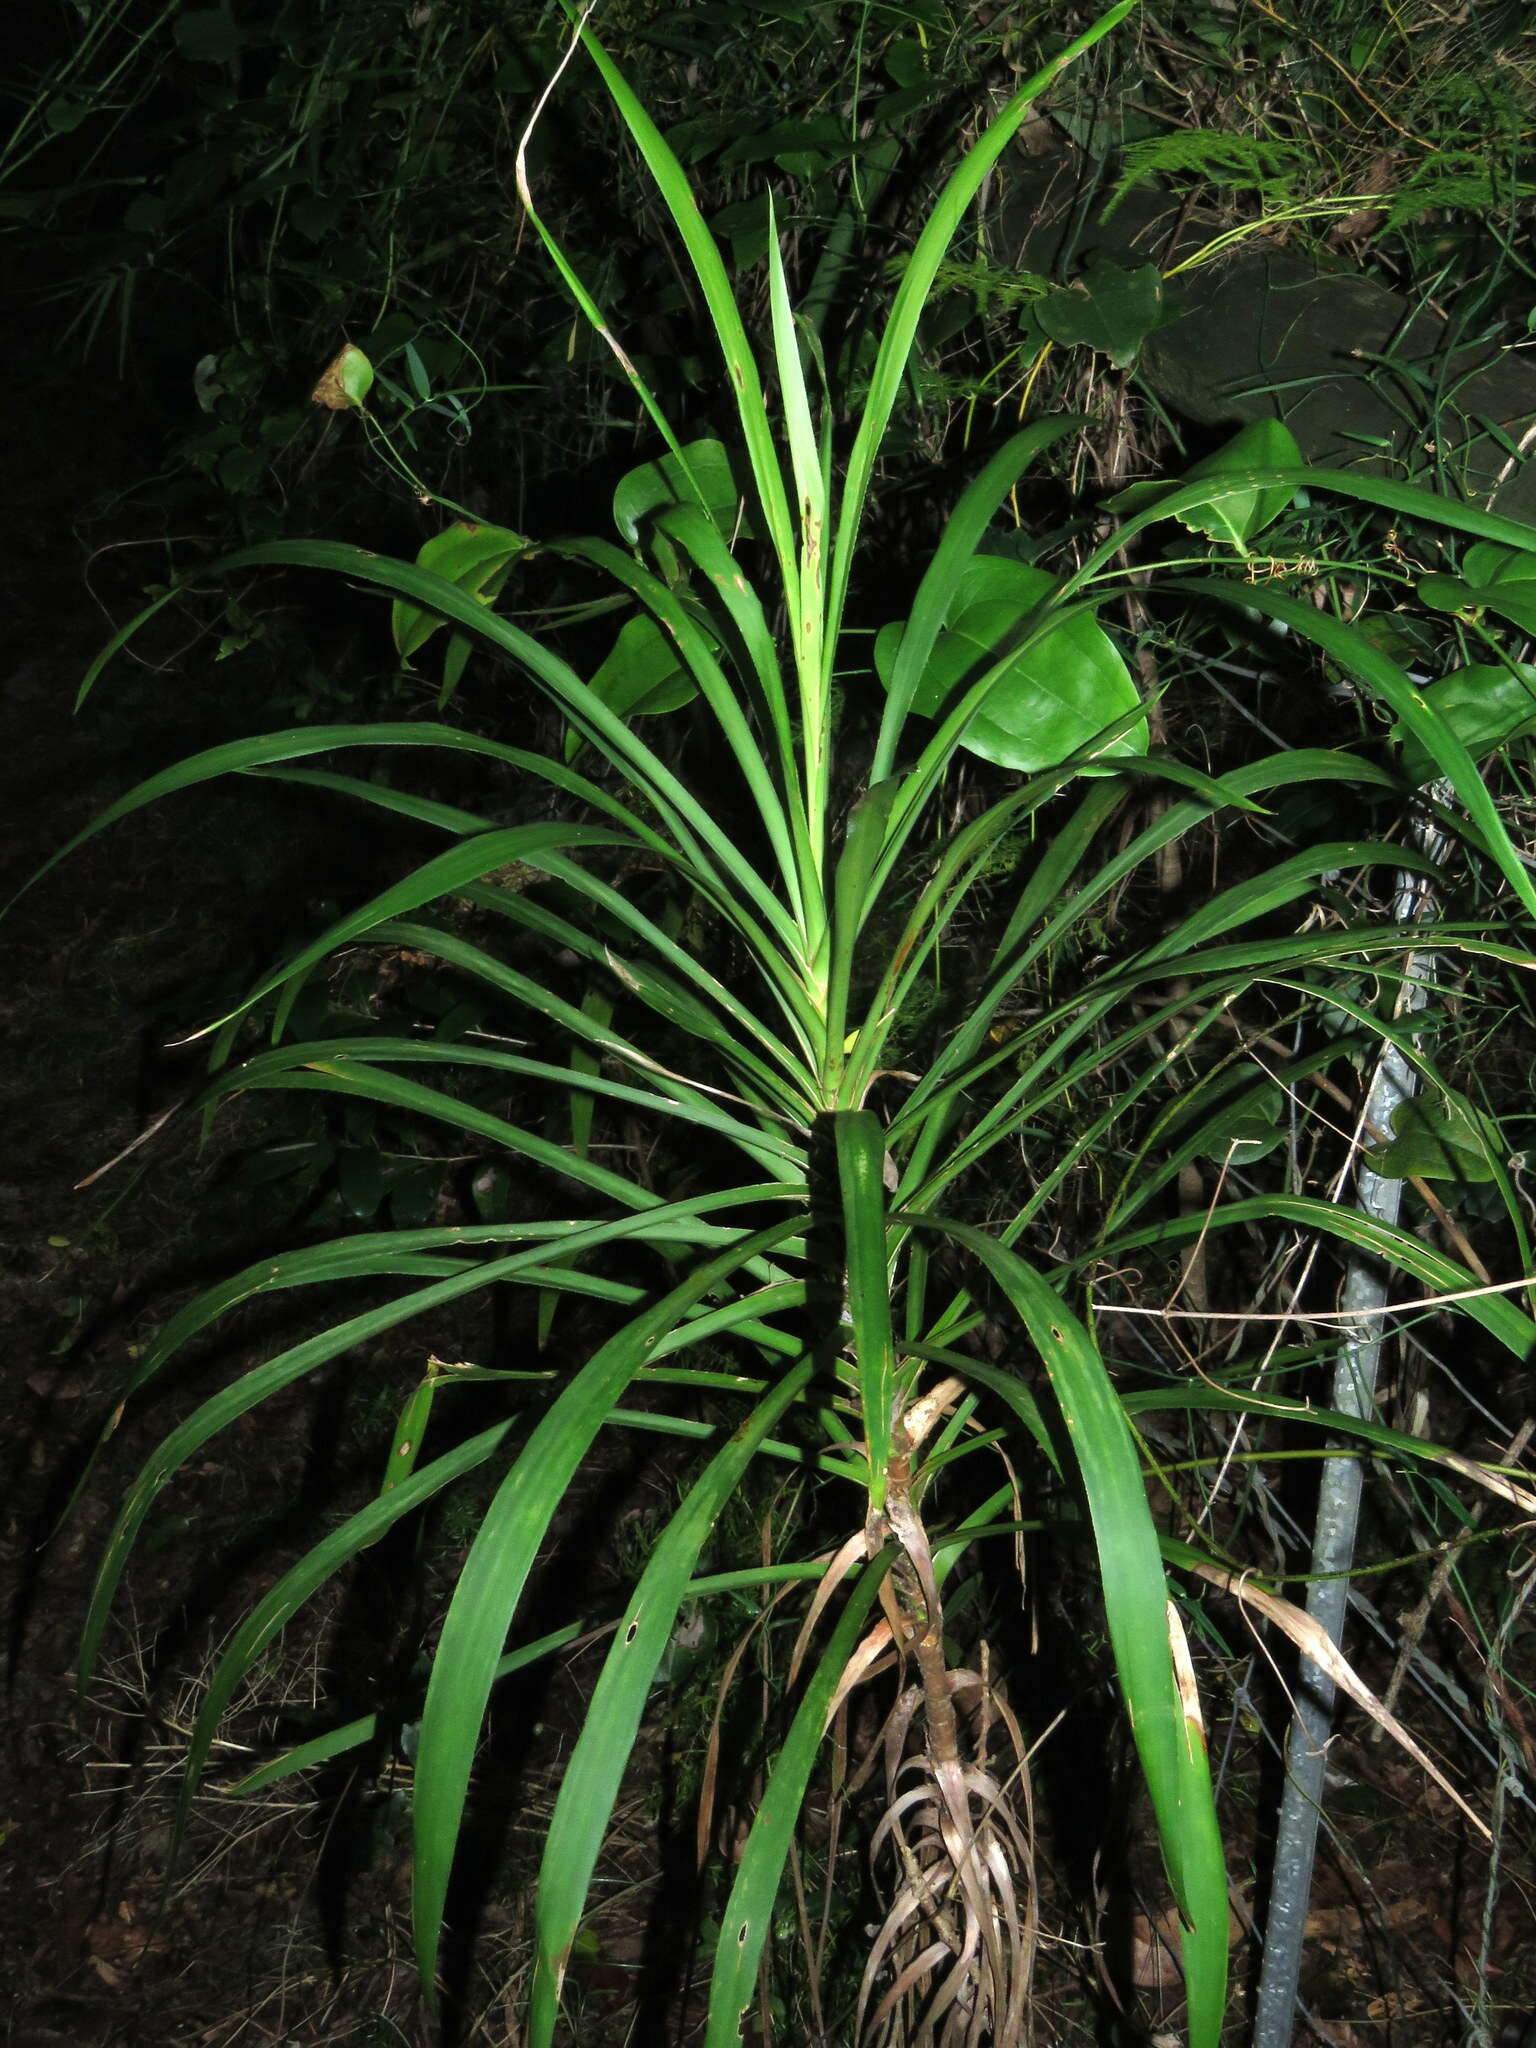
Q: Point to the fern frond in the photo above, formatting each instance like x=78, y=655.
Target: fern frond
x=993, y=286
x=1239, y=163
x=1459, y=182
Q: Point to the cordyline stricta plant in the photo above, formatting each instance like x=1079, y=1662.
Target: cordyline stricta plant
x=732, y=958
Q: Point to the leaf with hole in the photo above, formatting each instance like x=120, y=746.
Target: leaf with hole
x=346, y=381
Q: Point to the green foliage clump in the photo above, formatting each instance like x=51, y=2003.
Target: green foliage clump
x=1217, y=157
x=834, y=893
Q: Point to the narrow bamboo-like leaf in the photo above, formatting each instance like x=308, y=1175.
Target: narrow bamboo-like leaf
x=609, y=914
x=1135, y=1602
x=496, y=1571
x=852, y=903
x=805, y=455
x=1400, y=1249
x=593, y=1775
x=1435, y=735
x=691, y=824
x=813, y=513
x=254, y=1386
x=357, y=1734
x=913, y=294
x=860, y=1148
x=400, y=803
x=543, y=1002
x=714, y=282
x=277, y=1609
x=701, y=661
x=1090, y=1138
x=1045, y=912
x=748, y=1912
x=1043, y=889
x=1243, y=962
x=1008, y=1388
x=523, y=762
x=597, y=1004
x=957, y=546
x=467, y=862
x=405, y=1446
x=404, y=1255
x=1283, y=883
x=365, y=1083
x=685, y=963
x=744, y=607
x=1228, y=1116
x=971, y=853
x=698, y=833
x=257, y=755
x=790, y=1090
x=1261, y=1401
x=305, y=1756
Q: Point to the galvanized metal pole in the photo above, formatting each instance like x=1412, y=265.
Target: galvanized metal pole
x=1338, y=1514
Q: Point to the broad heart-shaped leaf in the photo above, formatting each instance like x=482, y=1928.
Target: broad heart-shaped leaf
x=1437, y=1138
x=1108, y=308
x=476, y=558
x=1246, y=1131
x=801, y=147
x=1238, y=515
x=1485, y=562
x=654, y=486
x=1483, y=705
x=1494, y=578
x=644, y=673
x=1053, y=698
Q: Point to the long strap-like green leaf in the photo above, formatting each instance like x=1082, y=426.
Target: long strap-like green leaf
x=912, y=297
x=1136, y=1610
x=603, y=1749
x=514, y=1528
x=748, y=1913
